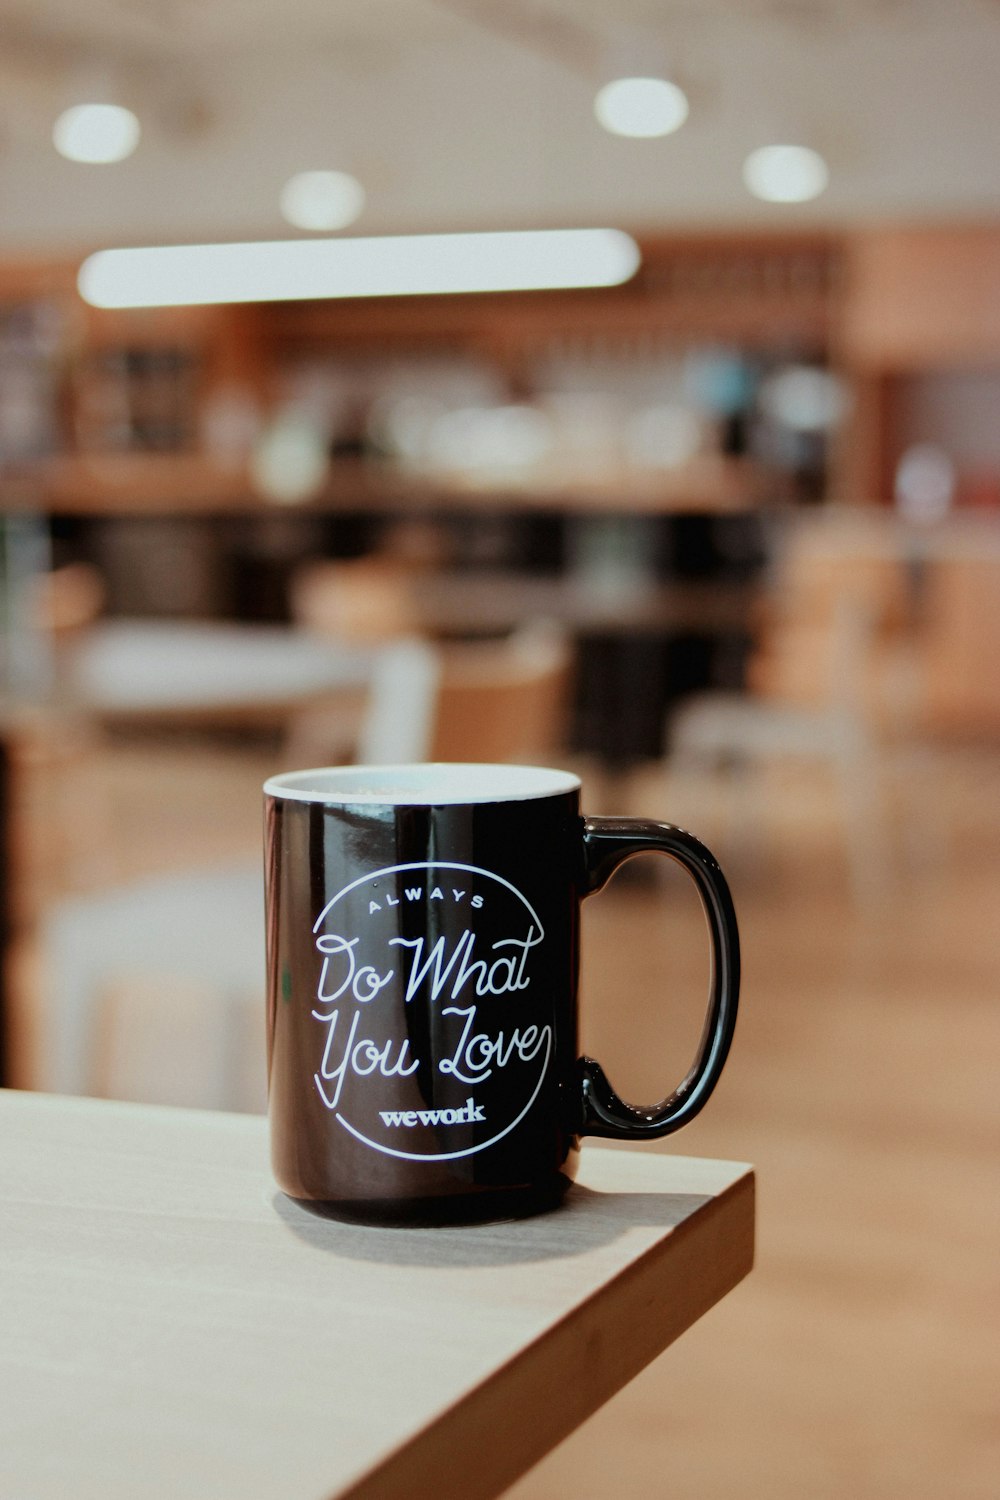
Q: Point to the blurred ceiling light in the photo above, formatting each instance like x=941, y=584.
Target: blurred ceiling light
x=387, y=266
x=96, y=133
x=322, y=200
x=785, y=174
x=641, y=107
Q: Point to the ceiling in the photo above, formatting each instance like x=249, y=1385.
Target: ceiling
x=468, y=113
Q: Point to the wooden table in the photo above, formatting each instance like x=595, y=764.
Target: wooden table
x=173, y=1327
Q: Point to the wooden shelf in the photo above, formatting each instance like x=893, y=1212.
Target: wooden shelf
x=881, y=304
x=192, y=484
x=127, y=484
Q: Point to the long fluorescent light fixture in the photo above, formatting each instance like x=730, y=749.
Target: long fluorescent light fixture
x=385, y=266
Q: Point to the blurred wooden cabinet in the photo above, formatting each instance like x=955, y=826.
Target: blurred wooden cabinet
x=910, y=316
x=919, y=299
x=139, y=387
x=131, y=389
x=920, y=332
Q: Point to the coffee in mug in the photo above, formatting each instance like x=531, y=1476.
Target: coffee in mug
x=423, y=949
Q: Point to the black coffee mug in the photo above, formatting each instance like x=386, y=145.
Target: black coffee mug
x=423, y=944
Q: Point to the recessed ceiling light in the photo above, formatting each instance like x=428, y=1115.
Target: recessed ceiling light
x=641, y=107
x=96, y=133
x=322, y=200
x=383, y=266
x=785, y=174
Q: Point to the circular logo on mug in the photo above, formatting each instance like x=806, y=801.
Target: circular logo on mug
x=431, y=1042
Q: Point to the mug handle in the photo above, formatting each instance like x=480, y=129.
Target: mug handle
x=607, y=843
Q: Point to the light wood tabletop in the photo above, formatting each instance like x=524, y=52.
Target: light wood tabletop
x=174, y=1327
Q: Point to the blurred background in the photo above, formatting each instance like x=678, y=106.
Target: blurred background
x=718, y=529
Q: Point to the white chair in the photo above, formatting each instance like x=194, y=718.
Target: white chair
x=391, y=721
x=155, y=992
x=398, y=724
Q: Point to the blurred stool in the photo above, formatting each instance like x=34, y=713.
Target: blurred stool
x=64, y=606
x=821, y=691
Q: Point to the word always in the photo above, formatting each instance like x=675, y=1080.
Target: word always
x=415, y=893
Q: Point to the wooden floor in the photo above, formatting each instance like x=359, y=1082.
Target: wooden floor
x=861, y=1358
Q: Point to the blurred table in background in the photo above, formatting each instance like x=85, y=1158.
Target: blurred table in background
x=149, y=672
x=172, y=670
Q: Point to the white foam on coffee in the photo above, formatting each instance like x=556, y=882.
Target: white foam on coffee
x=421, y=785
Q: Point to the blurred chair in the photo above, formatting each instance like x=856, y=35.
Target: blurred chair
x=962, y=641
x=366, y=600
x=403, y=696
x=155, y=992
x=65, y=603
x=503, y=701
x=487, y=701
x=829, y=679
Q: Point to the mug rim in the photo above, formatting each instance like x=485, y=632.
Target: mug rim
x=421, y=784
